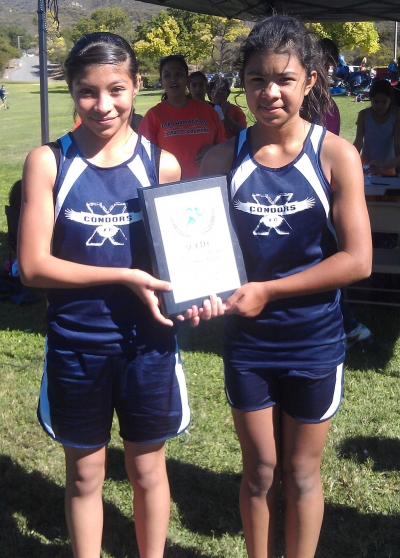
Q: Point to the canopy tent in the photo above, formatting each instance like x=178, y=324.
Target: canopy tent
x=308, y=10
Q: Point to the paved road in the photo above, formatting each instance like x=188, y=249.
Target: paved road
x=27, y=70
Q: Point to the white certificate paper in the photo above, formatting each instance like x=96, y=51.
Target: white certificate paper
x=197, y=244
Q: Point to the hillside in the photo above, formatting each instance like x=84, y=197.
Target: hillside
x=24, y=12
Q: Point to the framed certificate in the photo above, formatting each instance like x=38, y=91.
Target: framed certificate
x=192, y=241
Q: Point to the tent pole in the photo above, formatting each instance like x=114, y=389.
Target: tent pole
x=44, y=105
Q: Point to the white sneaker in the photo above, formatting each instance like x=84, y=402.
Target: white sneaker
x=359, y=333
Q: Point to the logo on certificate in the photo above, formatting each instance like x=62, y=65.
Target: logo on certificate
x=193, y=220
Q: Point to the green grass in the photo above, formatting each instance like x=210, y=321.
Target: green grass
x=361, y=462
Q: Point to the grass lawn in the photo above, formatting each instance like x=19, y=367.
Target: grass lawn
x=361, y=462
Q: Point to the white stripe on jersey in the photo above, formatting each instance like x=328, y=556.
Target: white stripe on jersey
x=147, y=145
x=306, y=168
x=75, y=170
x=241, y=174
x=138, y=169
x=315, y=137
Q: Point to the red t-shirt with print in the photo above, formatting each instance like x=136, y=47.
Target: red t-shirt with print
x=183, y=131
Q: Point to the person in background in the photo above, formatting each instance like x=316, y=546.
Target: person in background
x=355, y=331
x=197, y=84
x=393, y=70
x=332, y=115
x=378, y=127
x=3, y=98
x=108, y=348
x=303, y=228
x=377, y=166
x=218, y=91
x=372, y=73
x=185, y=127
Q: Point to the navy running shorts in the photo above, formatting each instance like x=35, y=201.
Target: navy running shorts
x=310, y=396
x=79, y=393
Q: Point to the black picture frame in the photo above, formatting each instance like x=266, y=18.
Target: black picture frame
x=191, y=245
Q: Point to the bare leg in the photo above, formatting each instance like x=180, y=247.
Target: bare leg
x=146, y=468
x=302, y=446
x=85, y=471
x=259, y=439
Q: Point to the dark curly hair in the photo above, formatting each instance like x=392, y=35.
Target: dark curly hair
x=288, y=35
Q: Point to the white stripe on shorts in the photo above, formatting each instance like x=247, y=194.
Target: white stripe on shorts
x=337, y=394
x=44, y=408
x=183, y=392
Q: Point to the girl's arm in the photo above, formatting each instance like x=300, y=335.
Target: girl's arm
x=170, y=170
x=237, y=122
x=38, y=268
x=219, y=159
x=219, y=136
x=358, y=142
x=352, y=262
x=384, y=165
x=219, y=133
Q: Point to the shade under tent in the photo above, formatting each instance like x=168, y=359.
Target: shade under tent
x=308, y=10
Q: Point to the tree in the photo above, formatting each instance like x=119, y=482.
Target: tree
x=350, y=35
x=195, y=36
x=160, y=41
x=11, y=34
x=57, y=47
x=113, y=20
x=227, y=33
x=7, y=52
x=175, y=32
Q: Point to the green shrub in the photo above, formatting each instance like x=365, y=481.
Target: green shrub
x=150, y=80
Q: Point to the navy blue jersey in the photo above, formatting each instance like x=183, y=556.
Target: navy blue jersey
x=98, y=222
x=283, y=220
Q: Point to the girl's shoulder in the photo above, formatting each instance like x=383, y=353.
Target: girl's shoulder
x=236, y=109
x=337, y=150
x=219, y=159
x=362, y=114
x=159, y=107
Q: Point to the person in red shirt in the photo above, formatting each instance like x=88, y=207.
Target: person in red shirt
x=218, y=92
x=185, y=127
